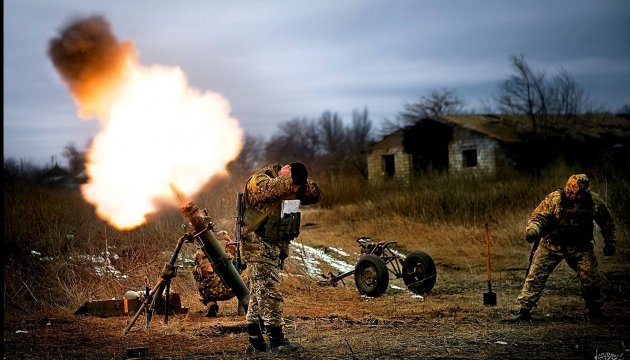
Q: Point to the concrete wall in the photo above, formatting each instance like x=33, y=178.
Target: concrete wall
x=488, y=151
x=402, y=166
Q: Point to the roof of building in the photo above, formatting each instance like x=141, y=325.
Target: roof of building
x=514, y=128
x=393, y=140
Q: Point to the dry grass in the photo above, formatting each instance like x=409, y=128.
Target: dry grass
x=440, y=215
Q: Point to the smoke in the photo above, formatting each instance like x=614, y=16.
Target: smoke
x=91, y=61
x=138, y=157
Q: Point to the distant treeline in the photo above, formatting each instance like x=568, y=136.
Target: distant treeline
x=328, y=143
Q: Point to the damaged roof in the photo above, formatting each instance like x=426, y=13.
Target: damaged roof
x=516, y=128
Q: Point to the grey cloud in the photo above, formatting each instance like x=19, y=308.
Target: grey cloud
x=277, y=60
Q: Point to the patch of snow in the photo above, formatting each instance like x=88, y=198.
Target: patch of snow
x=39, y=255
x=339, y=251
x=103, y=266
x=313, y=257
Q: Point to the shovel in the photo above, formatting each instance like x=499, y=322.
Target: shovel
x=489, y=298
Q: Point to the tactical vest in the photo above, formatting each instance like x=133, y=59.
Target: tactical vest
x=577, y=227
x=268, y=225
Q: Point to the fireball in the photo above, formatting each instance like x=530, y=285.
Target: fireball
x=157, y=133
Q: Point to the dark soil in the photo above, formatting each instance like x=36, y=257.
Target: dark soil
x=337, y=323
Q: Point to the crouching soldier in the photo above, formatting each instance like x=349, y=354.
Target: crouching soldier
x=211, y=288
x=564, y=221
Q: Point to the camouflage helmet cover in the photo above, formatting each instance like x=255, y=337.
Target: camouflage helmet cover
x=578, y=183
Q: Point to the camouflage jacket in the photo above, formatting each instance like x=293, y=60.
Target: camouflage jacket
x=210, y=285
x=566, y=224
x=263, y=190
x=203, y=266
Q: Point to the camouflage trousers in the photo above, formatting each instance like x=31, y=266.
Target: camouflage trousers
x=547, y=257
x=265, y=300
x=212, y=289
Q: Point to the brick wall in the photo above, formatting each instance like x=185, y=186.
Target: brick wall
x=402, y=166
x=487, y=150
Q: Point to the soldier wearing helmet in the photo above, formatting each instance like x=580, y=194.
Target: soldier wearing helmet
x=211, y=287
x=563, y=224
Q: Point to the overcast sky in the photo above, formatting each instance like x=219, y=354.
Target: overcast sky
x=277, y=60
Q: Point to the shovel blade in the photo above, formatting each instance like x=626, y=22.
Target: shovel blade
x=490, y=298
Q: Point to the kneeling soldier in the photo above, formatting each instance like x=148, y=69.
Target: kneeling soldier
x=211, y=288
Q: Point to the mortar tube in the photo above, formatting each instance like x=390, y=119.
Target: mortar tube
x=216, y=254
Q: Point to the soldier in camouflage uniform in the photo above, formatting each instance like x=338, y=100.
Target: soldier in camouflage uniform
x=211, y=287
x=564, y=221
x=265, y=245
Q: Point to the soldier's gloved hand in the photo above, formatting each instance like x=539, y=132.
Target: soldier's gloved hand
x=532, y=235
x=609, y=249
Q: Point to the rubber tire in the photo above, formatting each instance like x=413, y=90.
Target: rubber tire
x=418, y=266
x=371, y=275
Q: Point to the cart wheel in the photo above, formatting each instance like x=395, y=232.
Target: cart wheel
x=371, y=275
x=419, y=273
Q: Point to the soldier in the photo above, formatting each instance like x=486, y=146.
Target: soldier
x=211, y=288
x=564, y=221
x=265, y=245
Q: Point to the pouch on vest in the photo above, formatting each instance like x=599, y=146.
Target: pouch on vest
x=272, y=227
x=289, y=227
x=253, y=218
x=576, y=227
x=250, y=217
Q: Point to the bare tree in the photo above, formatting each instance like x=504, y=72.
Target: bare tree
x=544, y=101
x=360, y=133
x=333, y=137
x=388, y=125
x=76, y=159
x=252, y=155
x=20, y=171
x=435, y=104
x=359, y=137
x=624, y=111
x=524, y=92
x=296, y=139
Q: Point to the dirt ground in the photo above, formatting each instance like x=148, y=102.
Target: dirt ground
x=338, y=323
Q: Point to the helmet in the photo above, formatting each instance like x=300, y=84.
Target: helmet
x=577, y=184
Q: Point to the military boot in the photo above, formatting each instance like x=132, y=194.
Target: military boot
x=256, y=339
x=277, y=341
x=523, y=314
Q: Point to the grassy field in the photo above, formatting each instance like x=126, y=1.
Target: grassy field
x=58, y=254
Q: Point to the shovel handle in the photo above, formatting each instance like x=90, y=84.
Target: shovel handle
x=486, y=237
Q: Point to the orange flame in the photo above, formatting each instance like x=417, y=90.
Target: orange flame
x=157, y=134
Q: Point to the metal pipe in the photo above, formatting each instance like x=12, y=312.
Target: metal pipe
x=216, y=254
